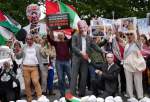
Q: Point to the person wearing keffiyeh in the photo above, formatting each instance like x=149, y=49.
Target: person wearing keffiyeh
x=118, y=45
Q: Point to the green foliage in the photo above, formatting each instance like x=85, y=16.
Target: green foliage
x=85, y=8
x=104, y=8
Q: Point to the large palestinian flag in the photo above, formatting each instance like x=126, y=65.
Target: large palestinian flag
x=59, y=7
x=8, y=28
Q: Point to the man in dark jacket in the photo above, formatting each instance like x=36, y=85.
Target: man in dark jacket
x=107, y=78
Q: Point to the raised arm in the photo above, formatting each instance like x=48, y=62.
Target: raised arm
x=50, y=37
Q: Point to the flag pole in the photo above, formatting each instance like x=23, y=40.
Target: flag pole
x=113, y=15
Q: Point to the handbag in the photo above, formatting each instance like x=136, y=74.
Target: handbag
x=139, y=62
x=141, y=66
x=135, y=61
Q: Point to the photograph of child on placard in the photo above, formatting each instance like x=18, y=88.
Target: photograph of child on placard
x=128, y=24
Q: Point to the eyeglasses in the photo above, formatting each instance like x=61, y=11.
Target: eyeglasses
x=122, y=36
x=129, y=34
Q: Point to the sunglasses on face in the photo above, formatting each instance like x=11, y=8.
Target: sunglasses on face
x=122, y=36
x=129, y=34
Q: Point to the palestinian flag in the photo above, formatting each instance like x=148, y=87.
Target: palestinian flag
x=59, y=7
x=8, y=28
x=5, y=35
x=69, y=97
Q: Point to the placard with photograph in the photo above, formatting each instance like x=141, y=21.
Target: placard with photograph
x=108, y=25
x=58, y=21
x=97, y=27
x=97, y=30
x=143, y=28
x=108, y=29
x=128, y=24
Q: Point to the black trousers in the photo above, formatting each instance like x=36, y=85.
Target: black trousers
x=99, y=85
x=10, y=94
x=7, y=95
x=122, y=77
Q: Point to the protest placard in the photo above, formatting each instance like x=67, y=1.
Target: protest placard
x=128, y=24
x=97, y=27
x=58, y=21
x=142, y=25
x=97, y=30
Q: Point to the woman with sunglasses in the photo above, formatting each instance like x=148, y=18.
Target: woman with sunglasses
x=132, y=72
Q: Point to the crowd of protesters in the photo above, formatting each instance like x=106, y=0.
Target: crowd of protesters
x=80, y=62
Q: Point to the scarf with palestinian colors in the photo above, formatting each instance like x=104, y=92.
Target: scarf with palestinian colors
x=116, y=49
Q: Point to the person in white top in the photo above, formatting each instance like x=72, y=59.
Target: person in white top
x=31, y=62
x=133, y=66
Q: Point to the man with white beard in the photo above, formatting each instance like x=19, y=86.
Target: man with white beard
x=81, y=46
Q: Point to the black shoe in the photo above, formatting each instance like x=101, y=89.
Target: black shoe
x=52, y=93
x=81, y=95
x=44, y=93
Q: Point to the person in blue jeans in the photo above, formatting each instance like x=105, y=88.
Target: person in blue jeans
x=63, y=65
x=50, y=80
x=63, y=69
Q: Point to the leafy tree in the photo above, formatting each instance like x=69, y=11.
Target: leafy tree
x=104, y=8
